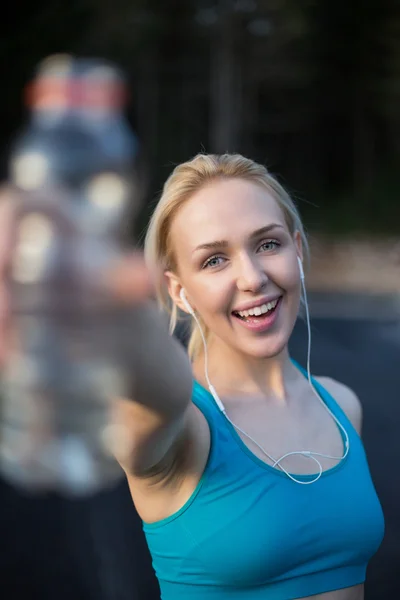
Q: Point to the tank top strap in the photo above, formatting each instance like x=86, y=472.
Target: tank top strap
x=329, y=401
x=205, y=403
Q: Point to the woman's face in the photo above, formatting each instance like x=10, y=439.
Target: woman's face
x=238, y=264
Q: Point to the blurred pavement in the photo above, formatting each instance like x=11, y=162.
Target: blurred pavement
x=94, y=549
x=364, y=354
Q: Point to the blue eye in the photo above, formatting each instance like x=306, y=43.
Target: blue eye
x=212, y=262
x=269, y=245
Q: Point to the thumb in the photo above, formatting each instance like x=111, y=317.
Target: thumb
x=130, y=280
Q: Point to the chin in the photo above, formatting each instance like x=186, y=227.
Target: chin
x=265, y=348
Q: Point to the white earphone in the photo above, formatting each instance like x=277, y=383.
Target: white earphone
x=182, y=296
x=218, y=401
x=300, y=263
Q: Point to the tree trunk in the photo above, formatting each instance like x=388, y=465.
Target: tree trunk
x=223, y=100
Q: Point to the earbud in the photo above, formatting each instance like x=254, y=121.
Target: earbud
x=185, y=301
x=300, y=263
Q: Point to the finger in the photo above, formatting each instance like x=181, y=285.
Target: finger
x=130, y=280
x=4, y=323
x=6, y=221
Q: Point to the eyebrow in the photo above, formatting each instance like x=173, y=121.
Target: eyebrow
x=225, y=243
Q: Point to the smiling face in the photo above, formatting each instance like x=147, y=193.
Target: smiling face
x=237, y=261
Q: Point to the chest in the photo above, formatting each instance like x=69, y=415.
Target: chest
x=259, y=527
x=270, y=434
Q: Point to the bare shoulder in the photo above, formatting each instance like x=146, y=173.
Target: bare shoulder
x=346, y=398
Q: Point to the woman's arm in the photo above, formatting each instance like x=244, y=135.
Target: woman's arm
x=154, y=415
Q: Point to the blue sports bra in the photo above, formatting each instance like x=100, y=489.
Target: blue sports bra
x=248, y=532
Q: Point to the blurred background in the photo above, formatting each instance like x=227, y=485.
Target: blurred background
x=311, y=88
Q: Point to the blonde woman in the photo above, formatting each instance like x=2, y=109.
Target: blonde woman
x=249, y=475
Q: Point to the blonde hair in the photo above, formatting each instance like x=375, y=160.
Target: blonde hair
x=186, y=179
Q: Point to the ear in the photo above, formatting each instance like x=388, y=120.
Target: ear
x=174, y=289
x=299, y=244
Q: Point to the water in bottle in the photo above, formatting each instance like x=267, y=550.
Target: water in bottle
x=75, y=181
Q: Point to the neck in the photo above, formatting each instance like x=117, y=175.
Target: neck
x=233, y=374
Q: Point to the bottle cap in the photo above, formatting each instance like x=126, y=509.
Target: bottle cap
x=64, y=82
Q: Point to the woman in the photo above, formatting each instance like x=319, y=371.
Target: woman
x=249, y=475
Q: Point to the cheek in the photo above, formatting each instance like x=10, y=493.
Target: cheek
x=214, y=294
x=294, y=282
x=293, y=286
x=293, y=290
x=285, y=274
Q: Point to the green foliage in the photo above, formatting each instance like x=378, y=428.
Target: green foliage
x=310, y=87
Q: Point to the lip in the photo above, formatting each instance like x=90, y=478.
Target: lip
x=264, y=324
x=260, y=302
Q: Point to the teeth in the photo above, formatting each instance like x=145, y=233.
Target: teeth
x=258, y=310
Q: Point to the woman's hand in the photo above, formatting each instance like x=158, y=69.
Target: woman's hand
x=129, y=281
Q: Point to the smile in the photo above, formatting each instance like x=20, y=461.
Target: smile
x=258, y=310
x=259, y=318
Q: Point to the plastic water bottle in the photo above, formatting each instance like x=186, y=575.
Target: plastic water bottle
x=73, y=170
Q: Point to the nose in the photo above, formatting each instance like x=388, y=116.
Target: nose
x=251, y=277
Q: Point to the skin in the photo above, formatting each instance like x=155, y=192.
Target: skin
x=252, y=372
